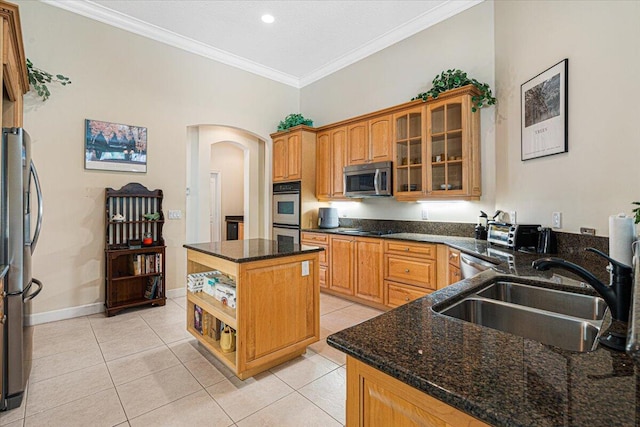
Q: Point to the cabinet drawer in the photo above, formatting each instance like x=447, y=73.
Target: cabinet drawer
x=422, y=250
x=407, y=270
x=314, y=238
x=323, y=277
x=397, y=294
x=454, y=257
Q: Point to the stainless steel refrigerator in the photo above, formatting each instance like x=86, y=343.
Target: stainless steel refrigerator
x=21, y=221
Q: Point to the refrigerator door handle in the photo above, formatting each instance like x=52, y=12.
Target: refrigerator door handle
x=31, y=296
x=36, y=234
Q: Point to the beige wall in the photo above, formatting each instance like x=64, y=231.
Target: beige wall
x=600, y=175
x=124, y=78
x=398, y=73
x=228, y=159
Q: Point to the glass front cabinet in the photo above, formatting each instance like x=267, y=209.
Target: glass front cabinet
x=437, y=149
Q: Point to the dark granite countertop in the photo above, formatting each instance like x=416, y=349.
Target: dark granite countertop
x=250, y=249
x=502, y=379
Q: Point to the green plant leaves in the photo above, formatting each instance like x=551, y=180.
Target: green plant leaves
x=39, y=78
x=452, y=79
x=294, y=120
x=636, y=211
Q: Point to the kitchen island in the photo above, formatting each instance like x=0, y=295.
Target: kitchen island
x=433, y=367
x=275, y=315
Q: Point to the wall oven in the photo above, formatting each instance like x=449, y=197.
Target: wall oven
x=368, y=180
x=286, y=213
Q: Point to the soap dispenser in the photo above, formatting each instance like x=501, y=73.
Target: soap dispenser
x=481, y=230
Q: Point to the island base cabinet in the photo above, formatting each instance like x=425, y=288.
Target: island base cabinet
x=375, y=399
x=276, y=315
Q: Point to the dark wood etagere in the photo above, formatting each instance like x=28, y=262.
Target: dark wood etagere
x=134, y=267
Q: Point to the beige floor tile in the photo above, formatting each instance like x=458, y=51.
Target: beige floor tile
x=153, y=391
x=62, y=363
x=329, y=303
x=240, y=399
x=346, y=317
x=18, y=423
x=100, y=319
x=110, y=331
x=130, y=344
x=292, y=411
x=185, y=350
x=17, y=414
x=328, y=352
x=44, y=345
x=303, y=370
x=329, y=393
x=98, y=409
x=198, y=409
x=205, y=372
x=138, y=365
x=52, y=329
x=170, y=313
x=66, y=388
x=172, y=332
x=181, y=302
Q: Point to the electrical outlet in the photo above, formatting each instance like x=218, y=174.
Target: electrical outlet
x=588, y=231
x=556, y=220
x=175, y=214
x=425, y=213
x=512, y=217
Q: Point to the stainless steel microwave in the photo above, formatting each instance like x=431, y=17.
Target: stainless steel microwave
x=368, y=180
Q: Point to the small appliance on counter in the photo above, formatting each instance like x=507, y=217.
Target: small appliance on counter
x=547, y=243
x=514, y=236
x=481, y=230
x=328, y=218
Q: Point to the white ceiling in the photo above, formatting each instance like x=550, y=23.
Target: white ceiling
x=308, y=40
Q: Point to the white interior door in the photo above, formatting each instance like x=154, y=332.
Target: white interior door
x=215, y=209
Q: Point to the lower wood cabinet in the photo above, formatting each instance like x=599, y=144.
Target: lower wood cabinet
x=320, y=240
x=453, y=257
x=397, y=294
x=356, y=267
x=377, y=399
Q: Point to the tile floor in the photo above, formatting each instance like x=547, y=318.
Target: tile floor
x=141, y=368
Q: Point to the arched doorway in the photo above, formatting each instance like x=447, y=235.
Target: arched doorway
x=255, y=189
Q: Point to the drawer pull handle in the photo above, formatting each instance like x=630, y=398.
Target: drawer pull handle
x=406, y=298
x=406, y=270
x=406, y=249
x=3, y=319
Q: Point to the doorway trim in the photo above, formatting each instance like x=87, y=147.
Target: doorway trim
x=215, y=205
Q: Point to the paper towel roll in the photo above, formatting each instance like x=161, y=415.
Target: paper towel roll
x=622, y=232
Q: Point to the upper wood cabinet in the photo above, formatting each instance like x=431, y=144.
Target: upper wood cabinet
x=14, y=68
x=410, y=178
x=331, y=155
x=287, y=153
x=453, y=148
x=369, y=141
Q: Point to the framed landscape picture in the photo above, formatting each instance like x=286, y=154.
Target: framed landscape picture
x=544, y=113
x=115, y=147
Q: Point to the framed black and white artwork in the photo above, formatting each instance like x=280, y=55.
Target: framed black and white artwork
x=544, y=113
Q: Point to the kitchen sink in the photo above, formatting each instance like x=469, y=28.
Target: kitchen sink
x=563, y=319
x=576, y=305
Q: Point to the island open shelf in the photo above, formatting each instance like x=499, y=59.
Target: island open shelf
x=277, y=302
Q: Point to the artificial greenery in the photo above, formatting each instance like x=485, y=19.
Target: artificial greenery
x=294, y=120
x=39, y=78
x=636, y=211
x=452, y=79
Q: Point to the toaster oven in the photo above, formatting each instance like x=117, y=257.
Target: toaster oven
x=513, y=236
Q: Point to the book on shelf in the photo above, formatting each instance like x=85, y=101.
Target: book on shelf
x=197, y=318
x=152, y=287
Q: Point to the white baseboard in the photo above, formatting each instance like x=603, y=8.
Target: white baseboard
x=177, y=293
x=66, y=313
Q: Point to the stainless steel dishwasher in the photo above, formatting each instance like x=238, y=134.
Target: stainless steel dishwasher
x=470, y=265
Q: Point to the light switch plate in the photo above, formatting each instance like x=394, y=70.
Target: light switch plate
x=305, y=268
x=556, y=220
x=175, y=214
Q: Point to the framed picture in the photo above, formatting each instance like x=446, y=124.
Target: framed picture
x=115, y=147
x=544, y=113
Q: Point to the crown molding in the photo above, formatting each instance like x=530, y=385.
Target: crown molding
x=419, y=23
x=116, y=19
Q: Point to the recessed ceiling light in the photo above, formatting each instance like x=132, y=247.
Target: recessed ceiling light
x=268, y=18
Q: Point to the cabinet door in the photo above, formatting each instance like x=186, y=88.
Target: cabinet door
x=279, y=159
x=454, y=274
x=368, y=273
x=358, y=144
x=342, y=264
x=294, y=156
x=409, y=154
x=339, y=159
x=380, y=139
x=323, y=165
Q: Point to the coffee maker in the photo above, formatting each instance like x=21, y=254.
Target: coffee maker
x=547, y=242
x=481, y=230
